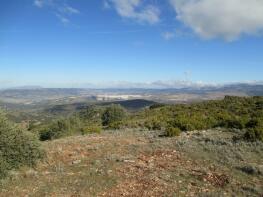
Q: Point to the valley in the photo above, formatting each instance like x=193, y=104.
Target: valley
x=129, y=145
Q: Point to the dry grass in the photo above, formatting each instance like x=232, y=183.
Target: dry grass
x=133, y=163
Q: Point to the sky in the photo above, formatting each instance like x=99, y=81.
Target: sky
x=81, y=43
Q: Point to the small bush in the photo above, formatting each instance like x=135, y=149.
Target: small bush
x=51, y=132
x=60, y=128
x=254, y=134
x=254, y=129
x=251, y=170
x=148, y=124
x=92, y=114
x=45, y=134
x=115, y=125
x=18, y=147
x=113, y=113
x=3, y=167
x=172, y=131
x=156, y=125
x=252, y=123
x=90, y=129
x=236, y=124
x=156, y=105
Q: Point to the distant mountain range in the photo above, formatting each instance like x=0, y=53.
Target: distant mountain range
x=38, y=94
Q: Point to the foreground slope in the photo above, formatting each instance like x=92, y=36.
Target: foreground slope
x=142, y=163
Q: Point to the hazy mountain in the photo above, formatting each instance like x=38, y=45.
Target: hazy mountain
x=37, y=94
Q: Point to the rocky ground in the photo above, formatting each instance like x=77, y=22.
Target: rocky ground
x=143, y=163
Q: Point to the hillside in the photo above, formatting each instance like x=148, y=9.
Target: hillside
x=209, y=148
x=140, y=163
x=133, y=105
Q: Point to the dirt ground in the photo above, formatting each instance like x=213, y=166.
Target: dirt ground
x=142, y=163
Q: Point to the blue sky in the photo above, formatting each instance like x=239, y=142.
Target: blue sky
x=71, y=43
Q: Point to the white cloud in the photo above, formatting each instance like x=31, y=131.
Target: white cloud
x=62, y=11
x=168, y=35
x=177, y=84
x=134, y=9
x=68, y=10
x=39, y=3
x=227, y=19
x=63, y=19
x=42, y=3
x=176, y=33
x=106, y=5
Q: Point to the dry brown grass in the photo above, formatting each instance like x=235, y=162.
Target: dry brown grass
x=124, y=163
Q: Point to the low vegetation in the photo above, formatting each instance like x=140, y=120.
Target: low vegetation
x=172, y=131
x=232, y=112
x=113, y=114
x=87, y=121
x=243, y=113
x=17, y=147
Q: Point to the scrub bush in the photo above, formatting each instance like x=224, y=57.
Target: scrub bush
x=17, y=147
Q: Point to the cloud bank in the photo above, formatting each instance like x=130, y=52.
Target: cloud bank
x=227, y=19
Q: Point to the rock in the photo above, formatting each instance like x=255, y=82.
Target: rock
x=251, y=169
x=76, y=162
x=128, y=161
x=109, y=171
x=31, y=172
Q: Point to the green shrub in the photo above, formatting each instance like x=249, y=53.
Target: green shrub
x=172, y=131
x=184, y=124
x=17, y=147
x=60, y=128
x=92, y=115
x=90, y=129
x=254, y=134
x=115, y=125
x=254, y=129
x=3, y=167
x=231, y=112
x=156, y=124
x=255, y=122
x=148, y=124
x=47, y=134
x=234, y=123
x=53, y=131
x=113, y=113
x=156, y=105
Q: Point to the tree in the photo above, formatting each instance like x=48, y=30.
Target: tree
x=113, y=113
